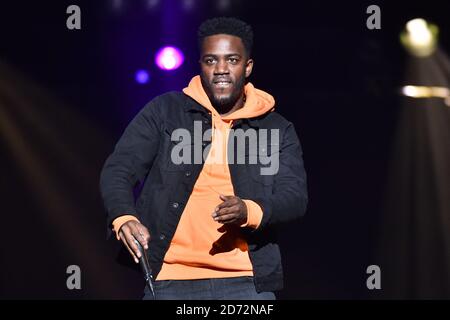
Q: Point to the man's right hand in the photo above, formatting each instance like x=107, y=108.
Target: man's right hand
x=131, y=230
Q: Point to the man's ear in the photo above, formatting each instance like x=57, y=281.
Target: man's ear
x=248, y=68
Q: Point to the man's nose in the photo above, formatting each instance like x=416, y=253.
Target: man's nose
x=221, y=67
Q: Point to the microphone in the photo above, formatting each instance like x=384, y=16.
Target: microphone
x=145, y=266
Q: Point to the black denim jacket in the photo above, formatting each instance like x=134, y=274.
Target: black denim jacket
x=143, y=155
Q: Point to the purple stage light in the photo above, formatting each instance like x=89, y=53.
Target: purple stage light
x=142, y=76
x=169, y=58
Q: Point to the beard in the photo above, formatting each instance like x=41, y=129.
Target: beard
x=224, y=104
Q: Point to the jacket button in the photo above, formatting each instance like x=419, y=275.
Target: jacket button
x=175, y=205
x=162, y=237
x=187, y=173
x=205, y=121
x=204, y=144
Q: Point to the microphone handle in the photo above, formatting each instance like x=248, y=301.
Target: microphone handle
x=145, y=266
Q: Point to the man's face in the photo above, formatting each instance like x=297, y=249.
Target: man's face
x=224, y=67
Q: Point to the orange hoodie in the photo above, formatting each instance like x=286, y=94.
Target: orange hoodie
x=201, y=247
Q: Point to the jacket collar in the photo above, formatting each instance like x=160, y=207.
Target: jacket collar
x=193, y=106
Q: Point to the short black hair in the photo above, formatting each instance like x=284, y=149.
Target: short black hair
x=227, y=25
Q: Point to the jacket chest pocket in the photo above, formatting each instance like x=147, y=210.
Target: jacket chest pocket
x=177, y=148
x=178, y=157
x=263, y=164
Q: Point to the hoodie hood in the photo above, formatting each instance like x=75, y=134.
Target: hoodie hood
x=257, y=101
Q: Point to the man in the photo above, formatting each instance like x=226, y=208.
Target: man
x=208, y=223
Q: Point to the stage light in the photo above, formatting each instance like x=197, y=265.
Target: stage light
x=427, y=92
x=169, y=58
x=419, y=37
x=142, y=76
x=420, y=34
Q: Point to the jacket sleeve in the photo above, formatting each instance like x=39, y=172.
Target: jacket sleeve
x=290, y=197
x=129, y=163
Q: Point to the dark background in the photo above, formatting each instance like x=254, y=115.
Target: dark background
x=71, y=93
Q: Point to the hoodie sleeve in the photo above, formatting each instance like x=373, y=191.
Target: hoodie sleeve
x=254, y=214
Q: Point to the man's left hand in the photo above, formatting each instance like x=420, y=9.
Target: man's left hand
x=231, y=211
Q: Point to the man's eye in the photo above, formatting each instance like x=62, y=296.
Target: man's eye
x=233, y=60
x=209, y=61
